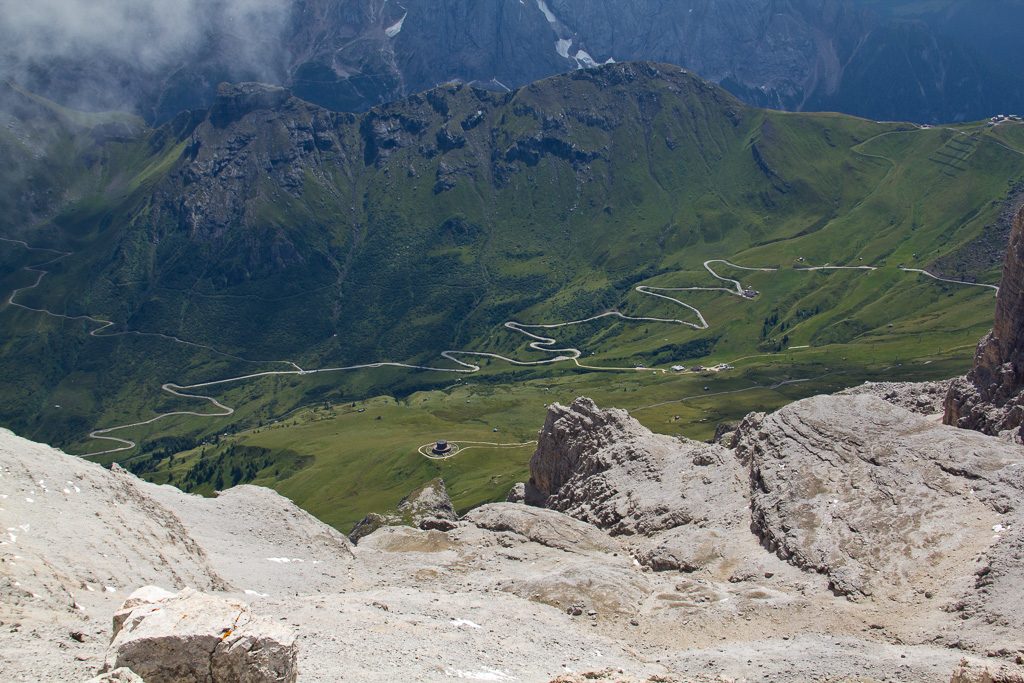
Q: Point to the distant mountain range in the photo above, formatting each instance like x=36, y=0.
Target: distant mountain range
x=938, y=61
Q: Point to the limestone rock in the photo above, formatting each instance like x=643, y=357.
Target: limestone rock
x=990, y=398
x=725, y=435
x=987, y=672
x=603, y=467
x=427, y=507
x=196, y=637
x=547, y=527
x=607, y=675
x=429, y=501
x=920, y=523
x=991, y=612
x=119, y=675
x=247, y=531
x=925, y=398
x=147, y=595
x=517, y=494
x=867, y=493
x=367, y=525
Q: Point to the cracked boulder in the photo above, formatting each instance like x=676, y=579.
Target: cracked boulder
x=193, y=637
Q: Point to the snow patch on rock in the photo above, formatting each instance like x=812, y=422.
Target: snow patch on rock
x=548, y=14
x=395, y=28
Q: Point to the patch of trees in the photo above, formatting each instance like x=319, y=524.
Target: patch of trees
x=236, y=464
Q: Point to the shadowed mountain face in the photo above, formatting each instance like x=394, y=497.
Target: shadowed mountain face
x=889, y=61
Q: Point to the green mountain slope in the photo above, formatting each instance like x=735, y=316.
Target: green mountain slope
x=270, y=234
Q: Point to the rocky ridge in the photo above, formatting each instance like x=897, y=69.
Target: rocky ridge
x=991, y=398
x=924, y=398
x=799, y=55
x=850, y=486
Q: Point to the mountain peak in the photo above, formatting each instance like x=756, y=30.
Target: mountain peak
x=235, y=100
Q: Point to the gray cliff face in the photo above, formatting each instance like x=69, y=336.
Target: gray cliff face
x=886, y=504
x=941, y=65
x=990, y=398
x=864, y=492
x=605, y=468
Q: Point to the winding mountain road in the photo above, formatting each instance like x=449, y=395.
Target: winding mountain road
x=102, y=324
x=538, y=342
x=945, y=279
x=828, y=267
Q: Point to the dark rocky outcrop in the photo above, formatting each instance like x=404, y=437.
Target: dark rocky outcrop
x=990, y=398
x=802, y=54
x=236, y=100
x=532, y=149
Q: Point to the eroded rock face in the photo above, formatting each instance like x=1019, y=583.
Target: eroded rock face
x=675, y=504
x=427, y=507
x=194, y=637
x=546, y=527
x=865, y=492
x=605, y=468
x=990, y=398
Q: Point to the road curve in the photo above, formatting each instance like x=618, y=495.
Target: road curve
x=828, y=267
x=426, y=450
x=538, y=342
x=945, y=279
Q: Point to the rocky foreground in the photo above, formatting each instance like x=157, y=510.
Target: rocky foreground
x=842, y=538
